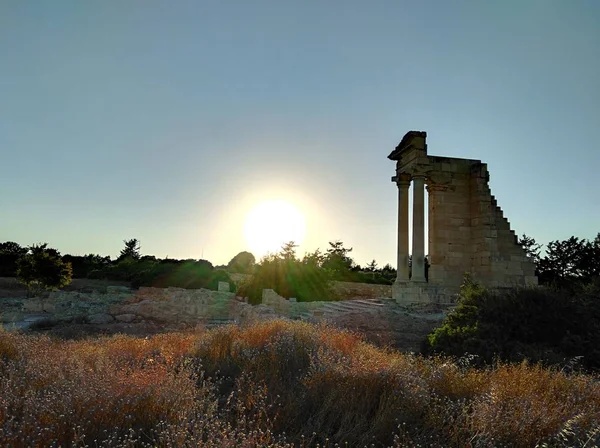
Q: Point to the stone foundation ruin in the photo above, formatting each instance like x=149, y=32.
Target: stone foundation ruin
x=468, y=232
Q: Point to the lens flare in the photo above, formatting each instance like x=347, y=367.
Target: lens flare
x=271, y=224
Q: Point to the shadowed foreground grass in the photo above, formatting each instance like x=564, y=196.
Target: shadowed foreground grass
x=277, y=384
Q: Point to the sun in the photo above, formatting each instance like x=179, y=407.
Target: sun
x=270, y=224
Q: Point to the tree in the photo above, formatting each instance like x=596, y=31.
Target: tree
x=131, y=249
x=388, y=269
x=41, y=248
x=314, y=259
x=289, y=277
x=563, y=265
x=531, y=248
x=337, y=259
x=83, y=266
x=388, y=273
x=10, y=252
x=372, y=266
x=288, y=251
x=242, y=263
x=590, y=259
x=42, y=269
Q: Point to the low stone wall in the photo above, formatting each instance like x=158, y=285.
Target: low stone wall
x=351, y=290
x=71, y=303
x=289, y=308
x=343, y=290
x=180, y=305
x=382, y=321
x=162, y=309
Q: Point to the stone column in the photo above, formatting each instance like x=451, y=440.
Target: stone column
x=437, y=247
x=418, y=246
x=403, y=182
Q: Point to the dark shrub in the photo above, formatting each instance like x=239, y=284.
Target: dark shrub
x=10, y=252
x=516, y=324
x=42, y=268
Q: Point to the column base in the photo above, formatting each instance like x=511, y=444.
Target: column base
x=411, y=292
x=401, y=281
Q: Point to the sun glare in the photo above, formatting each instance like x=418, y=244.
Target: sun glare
x=271, y=224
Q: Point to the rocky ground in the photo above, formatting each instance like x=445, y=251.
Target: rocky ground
x=95, y=307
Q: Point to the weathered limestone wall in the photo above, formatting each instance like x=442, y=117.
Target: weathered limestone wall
x=382, y=321
x=351, y=290
x=290, y=308
x=450, y=232
x=178, y=304
x=468, y=232
x=498, y=259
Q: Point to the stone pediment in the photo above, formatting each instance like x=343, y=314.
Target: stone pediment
x=412, y=139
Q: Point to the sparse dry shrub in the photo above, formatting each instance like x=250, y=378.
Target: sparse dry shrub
x=57, y=387
x=534, y=403
x=8, y=345
x=274, y=384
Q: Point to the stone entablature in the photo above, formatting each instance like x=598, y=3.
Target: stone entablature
x=467, y=229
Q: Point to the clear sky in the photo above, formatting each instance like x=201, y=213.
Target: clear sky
x=169, y=121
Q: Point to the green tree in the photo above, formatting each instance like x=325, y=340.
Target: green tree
x=338, y=261
x=41, y=248
x=314, y=259
x=131, y=250
x=388, y=270
x=531, y=248
x=567, y=263
x=590, y=259
x=83, y=266
x=372, y=266
x=242, y=263
x=42, y=269
x=289, y=277
x=288, y=251
x=10, y=252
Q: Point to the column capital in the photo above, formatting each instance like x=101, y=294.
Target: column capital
x=432, y=188
x=402, y=180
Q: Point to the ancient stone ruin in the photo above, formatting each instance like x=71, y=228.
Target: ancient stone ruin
x=468, y=232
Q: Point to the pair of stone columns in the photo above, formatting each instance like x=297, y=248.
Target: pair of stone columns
x=418, y=242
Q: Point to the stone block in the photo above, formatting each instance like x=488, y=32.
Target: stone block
x=39, y=305
x=117, y=290
x=127, y=318
x=223, y=286
x=458, y=222
x=10, y=317
x=484, y=261
x=100, y=318
x=531, y=281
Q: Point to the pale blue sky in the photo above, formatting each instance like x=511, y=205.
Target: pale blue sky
x=167, y=121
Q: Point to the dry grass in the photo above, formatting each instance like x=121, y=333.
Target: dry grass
x=237, y=386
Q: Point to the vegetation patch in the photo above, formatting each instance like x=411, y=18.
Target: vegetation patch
x=518, y=324
x=278, y=384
